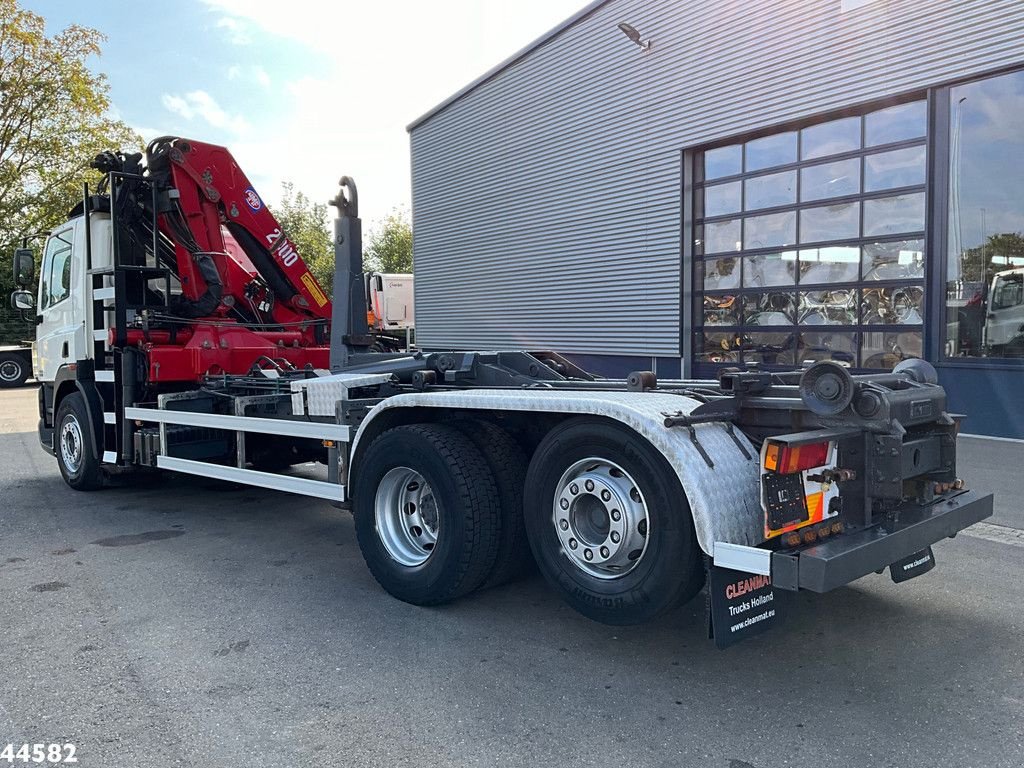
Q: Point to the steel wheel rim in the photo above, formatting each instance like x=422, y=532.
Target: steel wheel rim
x=9, y=370
x=71, y=444
x=406, y=514
x=601, y=518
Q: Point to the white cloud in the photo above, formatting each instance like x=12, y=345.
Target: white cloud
x=383, y=65
x=260, y=75
x=202, y=105
x=256, y=73
x=234, y=31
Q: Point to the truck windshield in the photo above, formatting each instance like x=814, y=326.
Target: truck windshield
x=1008, y=292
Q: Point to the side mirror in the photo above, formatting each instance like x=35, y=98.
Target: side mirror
x=24, y=267
x=23, y=301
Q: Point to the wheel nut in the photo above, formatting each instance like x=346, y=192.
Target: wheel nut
x=589, y=485
x=564, y=503
x=606, y=496
x=604, y=552
x=574, y=489
x=616, y=515
x=573, y=543
x=615, y=537
x=563, y=524
x=588, y=554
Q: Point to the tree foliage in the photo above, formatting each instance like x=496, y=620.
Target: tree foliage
x=54, y=118
x=1000, y=251
x=390, y=244
x=305, y=223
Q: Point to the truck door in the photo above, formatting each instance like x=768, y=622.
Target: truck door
x=1005, y=321
x=59, y=328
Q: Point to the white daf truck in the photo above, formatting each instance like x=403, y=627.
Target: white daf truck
x=178, y=330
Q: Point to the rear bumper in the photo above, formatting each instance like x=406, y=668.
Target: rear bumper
x=839, y=561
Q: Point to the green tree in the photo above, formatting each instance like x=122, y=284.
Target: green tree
x=54, y=119
x=390, y=244
x=305, y=223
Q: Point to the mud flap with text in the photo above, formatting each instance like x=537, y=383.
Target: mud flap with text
x=912, y=565
x=742, y=605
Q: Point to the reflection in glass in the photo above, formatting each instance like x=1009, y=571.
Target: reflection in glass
x=768, y=269
x=840, y=346
x=828, y=307
x=820, y=182
x=721, y=309
x=769, y=191
x=721, y=199
x=986, y=218
x=830, y=222
x=831, y=264
x=770, y=151
x=771, y=231
x=770, y=348
x=722, y=273
x=831, y=138
x=883, y=349
x=769, y=309
x=895, y=305
x=721, y=236
x=901, y=168
x=893, y=215
x=724, y=161
x=718, y=347
x=898, y=260
x=899, y=123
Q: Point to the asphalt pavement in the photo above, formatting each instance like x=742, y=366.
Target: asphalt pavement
x=189, y=623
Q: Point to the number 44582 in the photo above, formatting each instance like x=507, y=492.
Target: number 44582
x=38, y=753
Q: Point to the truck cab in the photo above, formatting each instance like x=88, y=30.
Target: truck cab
x=1004, y=324
x=65, y=329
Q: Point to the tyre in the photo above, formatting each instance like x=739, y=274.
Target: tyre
x=14, y=370
x=78, y=462
x=609, y=524
x=427, y=513
x=507, y=461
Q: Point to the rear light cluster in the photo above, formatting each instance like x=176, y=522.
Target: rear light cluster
x=786, y=459
x=810, y=535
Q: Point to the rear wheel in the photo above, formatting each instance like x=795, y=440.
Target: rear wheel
x=507, y=461
x=427, y=514
x=609, y=523
x=76, y=458
x=13, y=370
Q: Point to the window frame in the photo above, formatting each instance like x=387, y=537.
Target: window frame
x=940, y=146
x=46, y=268
x=695, y=255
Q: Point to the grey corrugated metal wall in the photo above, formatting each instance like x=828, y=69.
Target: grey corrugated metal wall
x=546, y=201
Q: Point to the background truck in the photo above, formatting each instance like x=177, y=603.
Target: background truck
x=179, y=329
x=390, y=312
x=15, y=365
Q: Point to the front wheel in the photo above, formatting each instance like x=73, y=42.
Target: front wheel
x=609, y=524
x=13, y=370
x=78, y=462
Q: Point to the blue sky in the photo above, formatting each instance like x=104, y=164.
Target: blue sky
x=301, y=90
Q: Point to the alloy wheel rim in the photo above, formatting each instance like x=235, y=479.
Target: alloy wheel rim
x=9, y=370
x=601, y=518
x=407, y=516
x=71, y=444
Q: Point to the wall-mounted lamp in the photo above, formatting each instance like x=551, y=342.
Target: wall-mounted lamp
x=631, y=32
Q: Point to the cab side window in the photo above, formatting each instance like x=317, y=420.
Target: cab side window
x=55, y=285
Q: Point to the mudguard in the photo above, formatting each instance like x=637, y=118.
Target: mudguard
x=723, y=488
